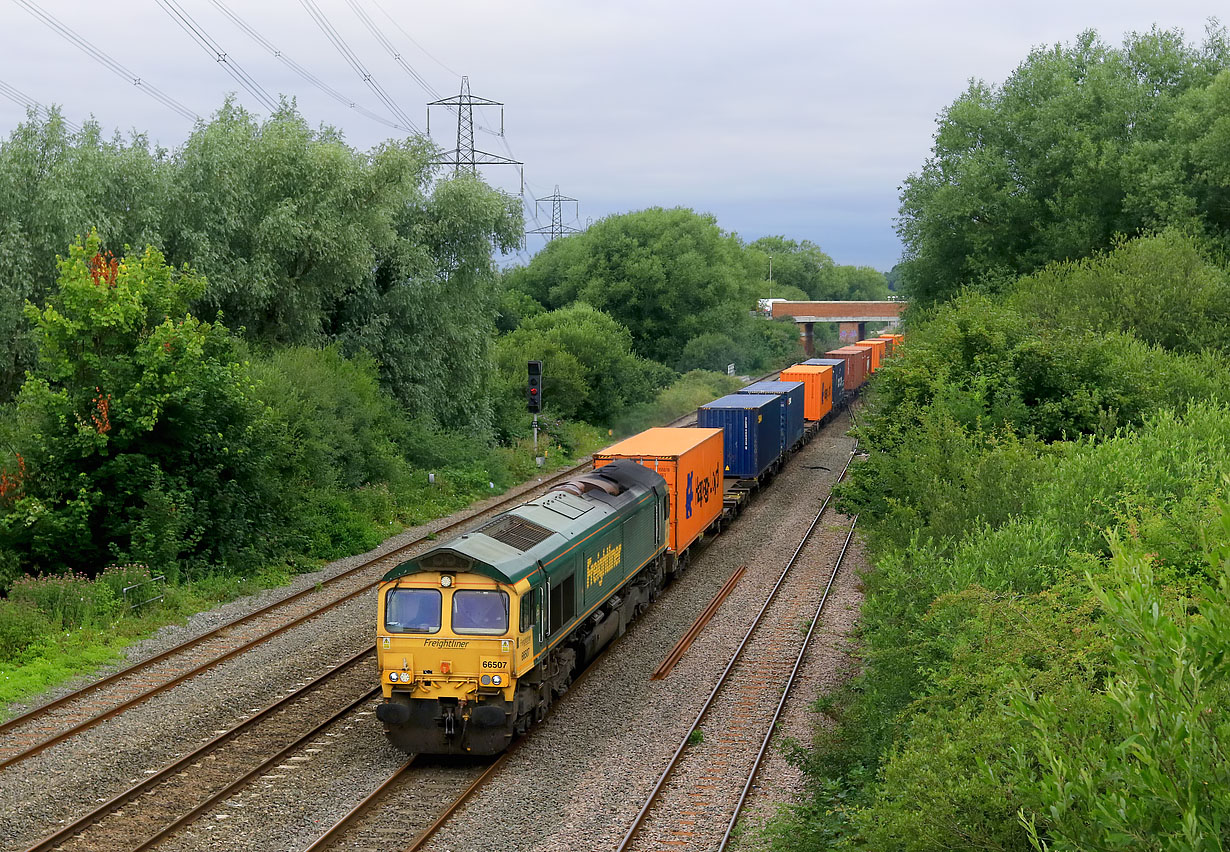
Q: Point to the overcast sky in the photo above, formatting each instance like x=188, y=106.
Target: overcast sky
x=798, y=119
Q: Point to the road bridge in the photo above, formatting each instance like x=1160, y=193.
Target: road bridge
x=851, y=317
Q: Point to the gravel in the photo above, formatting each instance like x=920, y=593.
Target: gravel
x=581, y=776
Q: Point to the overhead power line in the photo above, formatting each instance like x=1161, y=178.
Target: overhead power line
x=211, y=47
x=350, y=57
x=389, y=47
x=379, y=35
x=393, y=21
x=18, y=97
x=106, y=61
x=301, y=71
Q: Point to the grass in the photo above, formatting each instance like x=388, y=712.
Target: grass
x=60, y=652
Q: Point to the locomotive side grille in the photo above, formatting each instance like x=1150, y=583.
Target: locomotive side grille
x=516, y=532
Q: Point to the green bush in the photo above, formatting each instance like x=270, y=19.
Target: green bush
x=979, y=605
x=1154, y=776
x=21, y=625
x=590, y=371
x=139, y=433
x=685, y=394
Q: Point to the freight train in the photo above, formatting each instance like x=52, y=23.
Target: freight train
x=478, y=636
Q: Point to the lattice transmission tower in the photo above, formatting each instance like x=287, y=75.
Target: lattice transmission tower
x=557, y=228
x=465, y=156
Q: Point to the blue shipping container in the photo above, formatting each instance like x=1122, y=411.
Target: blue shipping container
x=792, y=407
x=839, y=375
x=751, y=427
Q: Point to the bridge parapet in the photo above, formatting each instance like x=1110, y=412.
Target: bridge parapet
x=834, y=311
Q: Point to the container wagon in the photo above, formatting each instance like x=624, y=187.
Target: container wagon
x=818, y=389
x=877, y=352
x=752, y=436
x=858, y=365
x=690, y=460
x=792, y=394
x=839, y=377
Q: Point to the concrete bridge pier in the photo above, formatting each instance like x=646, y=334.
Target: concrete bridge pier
x=851, y=332
x=807, y=335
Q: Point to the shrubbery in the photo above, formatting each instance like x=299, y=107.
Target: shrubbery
x=140, y=431
x=687, y=393
x=1042, y=631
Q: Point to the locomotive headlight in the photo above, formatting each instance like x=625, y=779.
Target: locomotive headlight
x=405, y=677
x=393, y=677
x=497, y=680
x=446, y=581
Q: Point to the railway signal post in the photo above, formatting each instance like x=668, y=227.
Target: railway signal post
x=534, y=396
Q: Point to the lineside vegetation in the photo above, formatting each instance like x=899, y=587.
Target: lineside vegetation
x=1045, y=659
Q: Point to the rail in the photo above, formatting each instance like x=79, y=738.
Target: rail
x=722, y=679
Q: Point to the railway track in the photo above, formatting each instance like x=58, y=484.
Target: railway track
x=698, y=797
x=413, y=802
x=148, y=812
x=26, y=735
x=30, y=733
x=394, y=802
x=153, y=808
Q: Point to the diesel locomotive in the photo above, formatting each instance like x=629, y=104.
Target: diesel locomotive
x=478, y=636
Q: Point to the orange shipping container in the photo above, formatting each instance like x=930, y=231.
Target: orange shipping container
x=817, y=388
x=889, y=343
x=877, y=352
x=690, y=460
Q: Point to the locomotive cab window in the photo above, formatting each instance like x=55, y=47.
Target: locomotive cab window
x=412, y=611
x=482, y=612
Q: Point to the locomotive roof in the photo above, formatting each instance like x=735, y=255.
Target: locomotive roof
x=516, y=544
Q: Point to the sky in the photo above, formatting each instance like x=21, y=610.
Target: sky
x=790, y=118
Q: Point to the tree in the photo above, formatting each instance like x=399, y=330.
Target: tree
x=589, y=369
x=803, y=266
x=1081, y=143
x=140, y=433
x=666, y=275
x=55, y=185
x=427, y=314
x=285, y=221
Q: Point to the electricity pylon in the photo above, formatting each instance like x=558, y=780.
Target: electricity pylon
x=464, y=156
x=557, y=228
